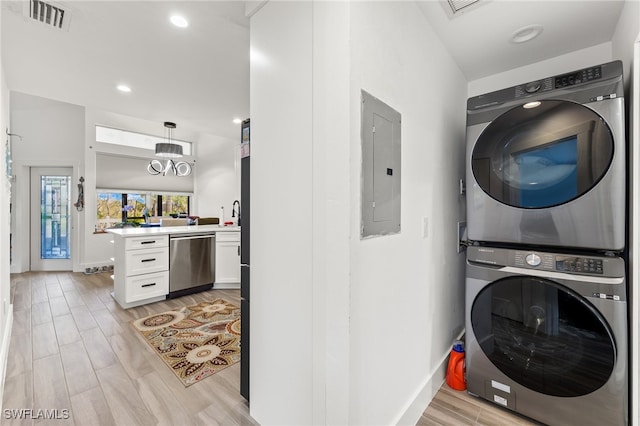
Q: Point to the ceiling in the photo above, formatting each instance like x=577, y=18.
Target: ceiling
x=198, y=76
x=479, y=39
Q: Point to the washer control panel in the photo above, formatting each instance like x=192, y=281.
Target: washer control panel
x=535, y=260
x=564, y=263
x=560, y=263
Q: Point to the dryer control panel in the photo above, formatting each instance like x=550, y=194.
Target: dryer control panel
x=578, y=77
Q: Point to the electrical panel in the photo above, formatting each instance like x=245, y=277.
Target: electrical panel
x=381, y=172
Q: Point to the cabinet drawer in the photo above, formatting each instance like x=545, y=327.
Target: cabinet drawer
x=228, y=236
x=146, y=261
x=151, y=241
x=147, y=286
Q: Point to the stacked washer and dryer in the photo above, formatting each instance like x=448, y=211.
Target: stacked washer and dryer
x=546, y=290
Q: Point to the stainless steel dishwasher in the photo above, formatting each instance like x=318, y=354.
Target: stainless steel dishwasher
x=192, y=260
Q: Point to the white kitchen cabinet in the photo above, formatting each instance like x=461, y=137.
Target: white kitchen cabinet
x=227, y=259
x=141, y=273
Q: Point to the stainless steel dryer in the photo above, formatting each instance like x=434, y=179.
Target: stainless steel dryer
x=546, y=334
x=546, y=162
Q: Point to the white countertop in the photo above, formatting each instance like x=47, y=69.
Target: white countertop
x=173, y=230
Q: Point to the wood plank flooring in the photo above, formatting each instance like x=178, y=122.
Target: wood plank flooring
x=451, y=407
x=72, y=348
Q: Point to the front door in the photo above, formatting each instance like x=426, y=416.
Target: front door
x=51, y=219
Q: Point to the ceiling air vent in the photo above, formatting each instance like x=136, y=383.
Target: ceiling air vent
x=48, y=13
x=456, y=7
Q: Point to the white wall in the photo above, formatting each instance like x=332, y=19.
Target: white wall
x=634, y=237
x=6, y=308
x=53, y=136
x=583, y=58
x=626, y=47
x=217, y=175
x=332, y=216
x=281, y=358
x=351, y=305
x=407, y=290
x=625, y=35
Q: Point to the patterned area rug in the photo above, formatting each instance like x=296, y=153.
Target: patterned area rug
x=196, y=341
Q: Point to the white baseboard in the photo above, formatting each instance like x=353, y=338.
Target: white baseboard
x=424, y=395
x=416, y=406
x=4, y=350
x=226, y=286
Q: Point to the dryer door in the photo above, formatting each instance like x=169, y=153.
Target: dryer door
x=544, y=336
x=542, y=154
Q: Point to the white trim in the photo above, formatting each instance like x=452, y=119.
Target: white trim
x=4, y=350
x=634, y=238
x=226, y=286
x=422, y=398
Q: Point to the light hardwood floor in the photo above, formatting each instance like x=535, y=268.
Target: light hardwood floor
x=451, y=407
x=72, y=348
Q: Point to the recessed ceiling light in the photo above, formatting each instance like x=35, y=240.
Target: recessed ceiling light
x=526, y=33
x=179, y=21
x=123, y=88
x=237, y=121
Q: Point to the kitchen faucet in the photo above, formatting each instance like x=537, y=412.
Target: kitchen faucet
x=233, y=210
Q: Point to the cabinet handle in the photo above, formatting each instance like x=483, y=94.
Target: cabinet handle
x=148, y=285
x=147, y=242
x=238, y=250
x=148, y=260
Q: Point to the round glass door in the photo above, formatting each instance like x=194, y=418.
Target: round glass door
x=542, y=154
x=543, y=336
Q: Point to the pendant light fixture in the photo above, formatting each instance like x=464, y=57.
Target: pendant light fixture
x=169, y=149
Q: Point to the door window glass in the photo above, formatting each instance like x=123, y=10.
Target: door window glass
x=55, y=206
x=542, y=156
x=543, y=336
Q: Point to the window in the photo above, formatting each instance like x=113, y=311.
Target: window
x=136, y=140
x=109, y=209
x=118, y=207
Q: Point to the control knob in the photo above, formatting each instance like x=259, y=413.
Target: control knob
x=532, y=87
x=533, y=259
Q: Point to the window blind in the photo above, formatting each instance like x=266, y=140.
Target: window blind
x=128, y=173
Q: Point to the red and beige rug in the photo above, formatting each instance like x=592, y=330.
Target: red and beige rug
x=196, y=341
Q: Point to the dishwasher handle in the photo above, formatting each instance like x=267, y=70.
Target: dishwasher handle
x=192, y=237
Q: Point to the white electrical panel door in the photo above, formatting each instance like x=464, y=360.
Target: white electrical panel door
x=381, y=148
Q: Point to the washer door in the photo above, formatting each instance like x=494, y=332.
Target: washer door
x=543, y=336
x=542, y=154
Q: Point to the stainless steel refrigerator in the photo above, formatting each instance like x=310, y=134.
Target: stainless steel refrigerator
x=244, y=258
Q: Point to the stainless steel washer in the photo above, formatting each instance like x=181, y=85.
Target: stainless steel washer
x=546, y=162
x=546, y=334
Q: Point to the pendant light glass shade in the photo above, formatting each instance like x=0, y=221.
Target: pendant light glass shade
x=169, y=150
